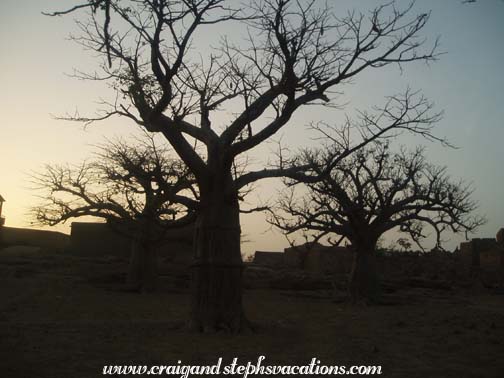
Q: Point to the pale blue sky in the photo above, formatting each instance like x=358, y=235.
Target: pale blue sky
x=467, y=83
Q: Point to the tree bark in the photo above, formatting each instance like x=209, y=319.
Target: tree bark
x=364, y=283
x=142, y=274
x=217, y=267
x=500, y=245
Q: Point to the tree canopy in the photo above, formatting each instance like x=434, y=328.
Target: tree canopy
x=376, y=190
x=371, y=192
x=140, y=190
x=291, y=54
x=122, y=183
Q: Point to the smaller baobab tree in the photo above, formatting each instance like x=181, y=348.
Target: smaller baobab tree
x=371, y=192
x=138, y=190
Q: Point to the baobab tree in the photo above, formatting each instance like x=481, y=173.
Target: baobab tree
x=370, y=193
x=294, y=53
x=139, y=190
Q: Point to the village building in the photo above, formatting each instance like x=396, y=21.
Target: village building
x=2, y=219
x=269, y=259
x=479, y=258
x=310, y=257
x=484, y=258
x=99, y=239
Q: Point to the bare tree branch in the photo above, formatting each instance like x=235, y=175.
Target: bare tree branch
x=375, y=190
x=298, y=53
x=123, y=185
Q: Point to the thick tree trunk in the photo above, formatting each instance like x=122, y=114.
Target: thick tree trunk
x=500, y=243
x=501, y=267
x=364, y=283
x=217, y=267
x=142, y=274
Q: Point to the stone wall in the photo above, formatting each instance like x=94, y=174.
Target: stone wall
x=98, y=239
x=271, y=259
x=330, y=260
x=11, y=236
x=313, y=258
x=482, y=257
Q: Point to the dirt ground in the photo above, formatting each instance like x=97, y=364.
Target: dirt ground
x=63, y=316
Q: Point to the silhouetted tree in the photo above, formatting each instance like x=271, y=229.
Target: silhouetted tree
x=138, y=190
x=370, y=193
x=296, y=53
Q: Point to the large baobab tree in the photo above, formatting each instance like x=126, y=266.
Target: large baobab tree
x=140, y=191
x=370, y=193
x=294, y=53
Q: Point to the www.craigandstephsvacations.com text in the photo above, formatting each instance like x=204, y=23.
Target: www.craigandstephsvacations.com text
x=258, y=368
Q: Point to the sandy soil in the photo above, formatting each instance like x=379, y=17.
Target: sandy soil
x=63, y=316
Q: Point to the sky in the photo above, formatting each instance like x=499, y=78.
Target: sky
x=466, y=83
